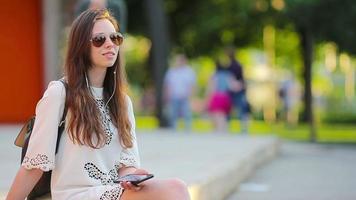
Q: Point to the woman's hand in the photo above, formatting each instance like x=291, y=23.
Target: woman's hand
x=129, y=186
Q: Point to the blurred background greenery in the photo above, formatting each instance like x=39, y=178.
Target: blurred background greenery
x=308, y=41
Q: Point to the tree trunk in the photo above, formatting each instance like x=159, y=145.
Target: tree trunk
x=307, y=52
x=158, y=32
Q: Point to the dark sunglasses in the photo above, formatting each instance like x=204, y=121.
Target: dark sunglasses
x=99, y=40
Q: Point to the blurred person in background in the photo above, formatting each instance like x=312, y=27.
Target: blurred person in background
x=99, y=142
x=238, y=95
x=219, y=101
x=178, y=88
x=289, y=95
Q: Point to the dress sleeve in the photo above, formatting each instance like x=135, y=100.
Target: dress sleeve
x=129, y=157
x=42, y=145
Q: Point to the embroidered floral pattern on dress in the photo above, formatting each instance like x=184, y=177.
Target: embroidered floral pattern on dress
x=40, y=162
x=113, y=194
x=105, y=178
x=127, y=159
x=105, y=119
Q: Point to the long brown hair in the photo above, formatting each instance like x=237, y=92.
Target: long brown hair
x=84, y=125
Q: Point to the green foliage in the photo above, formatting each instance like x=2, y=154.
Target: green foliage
x=340, y=111
x=136, y=54
x=202, y=27
x=301, y=11
x=336, y=19
x=329, y=20
x=137, y=23
x=287, y=50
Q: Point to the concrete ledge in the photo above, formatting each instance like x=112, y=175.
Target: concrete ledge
x=213, y=165
x=223, y=183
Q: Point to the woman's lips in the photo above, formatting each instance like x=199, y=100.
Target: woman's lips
x=109, y=55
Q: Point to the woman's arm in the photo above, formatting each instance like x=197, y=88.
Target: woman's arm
x=24, y=182
x=49, y=111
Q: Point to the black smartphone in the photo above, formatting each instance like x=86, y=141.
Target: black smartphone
x=134, y=179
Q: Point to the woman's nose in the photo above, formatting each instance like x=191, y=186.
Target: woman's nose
x=108, y=43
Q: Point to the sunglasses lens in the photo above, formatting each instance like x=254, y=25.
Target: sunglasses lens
x=98, y=40
x=117, y=38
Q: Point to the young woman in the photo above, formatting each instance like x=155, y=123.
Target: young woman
x=99, y=142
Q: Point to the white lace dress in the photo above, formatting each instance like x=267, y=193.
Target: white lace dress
x=79, y=172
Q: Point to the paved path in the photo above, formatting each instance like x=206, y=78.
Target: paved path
x=305, y=171
x=211, y=164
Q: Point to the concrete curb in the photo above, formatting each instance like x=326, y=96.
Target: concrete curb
x=221, y=185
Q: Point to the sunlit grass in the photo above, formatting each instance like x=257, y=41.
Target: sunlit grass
x=338, y=133
x=146, y=122
x=325, y=132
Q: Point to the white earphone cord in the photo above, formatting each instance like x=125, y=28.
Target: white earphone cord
x=112, y=95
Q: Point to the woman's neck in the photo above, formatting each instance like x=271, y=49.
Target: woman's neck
x=96, y=76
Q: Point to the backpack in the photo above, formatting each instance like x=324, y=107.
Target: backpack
x=43, y=186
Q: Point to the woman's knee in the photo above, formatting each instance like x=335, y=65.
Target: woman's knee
x=178, y=187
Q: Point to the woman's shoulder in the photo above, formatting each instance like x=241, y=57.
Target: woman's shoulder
x=55, y=94
x=128, y=100
x=55, y=89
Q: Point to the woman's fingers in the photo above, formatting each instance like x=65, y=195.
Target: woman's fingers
x=135, y=188
x=129, y=186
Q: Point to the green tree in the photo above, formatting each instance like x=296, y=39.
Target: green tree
x=315, y=21
x=201, y=27
x=149, y=18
